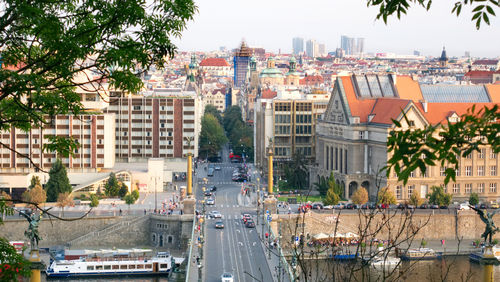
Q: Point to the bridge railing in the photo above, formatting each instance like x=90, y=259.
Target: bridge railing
x=191, y=244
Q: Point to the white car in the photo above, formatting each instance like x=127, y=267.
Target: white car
x=217, y=167
x=215, y=214
x=226, y=277
x=464, y=206
x=210, y=201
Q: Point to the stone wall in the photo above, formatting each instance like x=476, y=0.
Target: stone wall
x=466, y=225
x=170, y=232
x=55, y=232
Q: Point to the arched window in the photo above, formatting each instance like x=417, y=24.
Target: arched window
x=170, y=239
x=154, y=237
x=161, y=241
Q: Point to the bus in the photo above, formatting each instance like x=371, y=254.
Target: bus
x=210, y=171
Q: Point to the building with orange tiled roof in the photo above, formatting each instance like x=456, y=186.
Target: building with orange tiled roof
x=351, y=136
x=215, y=67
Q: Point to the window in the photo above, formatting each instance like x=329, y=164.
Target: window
x=468, y=188
x=137, y=108
x=107, y=267
x=456, y=188
x=411, y=188
x=123, y=266
x=90, y=267
x=98, y=267
x=411, y=123
x=493, y=187
x=140, y=266
x=398, y=192
x=132, y=266
x=492, y=154
x=469, y=156
x=468, y=171
x=148, y=266
x=412, y=174
x=442, y=171
x=493, y=170
x=163, y=265
x=481, y=153
x=480, y=188
x=361, y=135
x=115, y=267
x=480, y=170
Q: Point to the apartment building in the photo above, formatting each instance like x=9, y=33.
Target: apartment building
x=352, y=135
x=155, y=126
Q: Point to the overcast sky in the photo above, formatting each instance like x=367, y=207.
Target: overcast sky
x=272, y=24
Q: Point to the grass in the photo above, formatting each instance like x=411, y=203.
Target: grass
x=302, y=199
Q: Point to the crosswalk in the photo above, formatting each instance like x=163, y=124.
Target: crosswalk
x=229, y=217
x=219, y=182
x=227, y=206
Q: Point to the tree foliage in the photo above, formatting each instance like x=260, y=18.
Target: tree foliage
x=13, y=265
x=474, y=199
x=123, y=190
x=415, y=199
x=212, y=136
x=47, y=47
x=64, y=200
x=5, y=198
x=112, y=186
x=295, y=172
x=331, y=198
x=129, y=199
x=418, y=148
x=238, y=132
x=94, y=201
x=481, y=10
x=135, y=194
x=438, y=196
x=37, y=195
x=386, y=196
x=322, y=185
x=58, y=181
x=360, y=196
x=35, y=180
x=211, y=109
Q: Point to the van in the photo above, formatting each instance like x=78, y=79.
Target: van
x=464, y=206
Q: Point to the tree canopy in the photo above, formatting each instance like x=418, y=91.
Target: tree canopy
x=386, y=196
x=439, y=197
x=295, y=172
x=481, y=10
x=58, y=181
x=112, y=186
x=360, y=196
x=239, y=133
x=51, y=48
x=212, y=136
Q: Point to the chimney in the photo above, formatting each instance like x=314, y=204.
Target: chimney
x=424, y=105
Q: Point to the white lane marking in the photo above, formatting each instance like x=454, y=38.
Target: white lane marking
x=238, y=230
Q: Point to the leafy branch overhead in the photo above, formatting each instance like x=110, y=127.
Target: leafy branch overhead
x=52, y=50
x=442, y=144
x=482, y=10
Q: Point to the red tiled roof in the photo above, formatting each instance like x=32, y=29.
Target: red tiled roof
x=485, y=62
x=439, y=112
x=386, y=109
x=214, y=62
x=479, y=73
x=359, y=108
x=268, y=94
x=311, y=79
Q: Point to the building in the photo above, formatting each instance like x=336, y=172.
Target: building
x=443, y=60
x=241, y=61
x=360, y=45
x=482, y=76
x=351, y=136
x=271, y=75
x=216, y=98
x=298, y=45
x=321, y=49
x=352, y=46
x=155, y=125
x=215, y=67
x=311, y=49
x=287, y=122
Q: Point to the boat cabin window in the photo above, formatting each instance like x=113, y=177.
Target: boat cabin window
x=116, y=266
x=90, y=267
x=123, y=266
x=140, y=266
x=163, y=265
x=98, y=267
x=149, y=265
x=132, y=266
x=107, y=267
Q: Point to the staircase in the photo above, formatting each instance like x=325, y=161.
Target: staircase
x=95, y=235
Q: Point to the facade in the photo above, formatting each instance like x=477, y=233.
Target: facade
x=271, y=75
x=298, y=45
x=311, y=49
x=289, y=122
x=215, y=67
x=351, y=136
x=352, y=46
x=241, y=61
x=217, y=98
x=155, y=126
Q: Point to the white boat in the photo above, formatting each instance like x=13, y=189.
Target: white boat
x=113, y=263
x=478, y=256
x=385, y=262
x=421, y=254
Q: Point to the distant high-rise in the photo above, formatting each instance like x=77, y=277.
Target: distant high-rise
x=311, y=48
x=298, y=45
x=241, y=61
x=321, y=49
x=352, y=46
x=416, y=53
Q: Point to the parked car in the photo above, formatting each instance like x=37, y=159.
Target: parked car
x=434, y=206
x=210, y=201
x=227, y=277
x=213, y=188
x=246, y=217
x=329, y=207
x=317, y=206
x=215, y=214
x=219, y=225
x=339, y=206
x=351, y=206
x=443, y=207
x=217, y=167
x=208, y=193
x=494, y=205
x=463, y=206
x=424, y=206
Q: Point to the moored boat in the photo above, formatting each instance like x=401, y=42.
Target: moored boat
x=113, y=263
x=420, y=254
x=481, y=255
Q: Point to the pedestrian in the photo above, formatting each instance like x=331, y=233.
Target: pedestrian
x=144, y=211
x=120, y=212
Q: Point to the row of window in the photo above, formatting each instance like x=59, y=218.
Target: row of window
x=481, y=170
x=123, y=266
x=456, y=189
x=481, y=154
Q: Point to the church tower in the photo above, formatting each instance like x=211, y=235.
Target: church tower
x=443, y=60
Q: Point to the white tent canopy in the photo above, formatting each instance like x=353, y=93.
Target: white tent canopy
x=337, y=235
x=351, y=235
x=320, y=236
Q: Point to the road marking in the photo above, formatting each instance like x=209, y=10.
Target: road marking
x=238, y=230
x=234, y=206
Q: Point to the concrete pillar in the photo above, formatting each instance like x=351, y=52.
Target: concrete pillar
x=188, y=205
x=190, y=174
x=270, y=172
x=35, y=267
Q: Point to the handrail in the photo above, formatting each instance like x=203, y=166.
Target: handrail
x=190, y=249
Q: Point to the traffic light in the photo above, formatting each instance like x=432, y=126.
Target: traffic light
x=267, y=235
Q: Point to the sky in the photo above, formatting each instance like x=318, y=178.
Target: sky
x=272, y=24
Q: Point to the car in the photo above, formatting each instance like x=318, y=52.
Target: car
x=494, y=205
x=208, y=193
x=219, y=225
x=250, y=223
x=339, y=206
x=401, y=206
x=215, y=214
x=329, y=207
x=217, y=167
x=434, y=207
x=227, y=277
x=317, y=206
x=210, y=201
x=443, y=207
x=210, y=172
x=483, y=206
x=423, y=206
x=246, y=217
x=351, y=206
x=463, y=206
x=213, y=188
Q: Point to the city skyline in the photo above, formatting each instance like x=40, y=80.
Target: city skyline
x=273, y=25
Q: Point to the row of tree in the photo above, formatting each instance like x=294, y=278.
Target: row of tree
x=212, y=136
x=238, y=132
